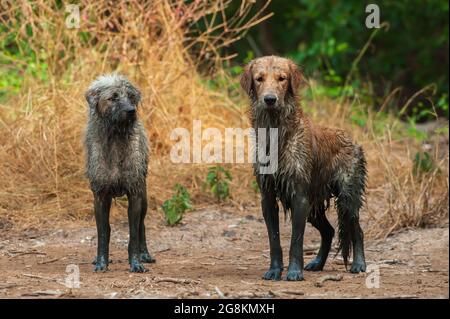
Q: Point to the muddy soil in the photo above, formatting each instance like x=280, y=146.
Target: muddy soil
x=217, y=252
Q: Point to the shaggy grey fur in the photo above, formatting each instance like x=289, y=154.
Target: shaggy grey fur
x=117, y=153
x=116, y=163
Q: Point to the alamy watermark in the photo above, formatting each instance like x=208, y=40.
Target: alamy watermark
x=72, y=280
x=211, y=146
x=73, y=19
x=373, y=276
x=373, y=19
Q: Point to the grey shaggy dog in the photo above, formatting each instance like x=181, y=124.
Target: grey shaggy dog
x=116, y=164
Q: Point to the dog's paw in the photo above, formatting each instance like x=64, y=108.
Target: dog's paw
x=273, y=274
x=100, y=264
x=314, y=265
x=137, y=266
x=294, y=275
x=146, y=258
x=357, y=267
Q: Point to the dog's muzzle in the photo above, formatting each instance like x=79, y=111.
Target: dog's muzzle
x=270, y=99
x=129, y=112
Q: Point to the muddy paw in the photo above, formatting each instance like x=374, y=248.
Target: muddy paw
x=273, y=274
x=146, y=258
x=357, y=267
x=314, y=265
x=294, y=275
x=137, y=266
x=100, y=264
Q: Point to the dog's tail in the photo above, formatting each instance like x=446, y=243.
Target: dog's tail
x=348, y=203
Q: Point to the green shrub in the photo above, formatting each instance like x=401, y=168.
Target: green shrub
x=217, y=180
x=175, y=207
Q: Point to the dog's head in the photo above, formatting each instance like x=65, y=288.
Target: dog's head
x=271, y=82
x=113, y=97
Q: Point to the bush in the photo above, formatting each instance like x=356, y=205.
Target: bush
x=218, y=179
x=175, y=207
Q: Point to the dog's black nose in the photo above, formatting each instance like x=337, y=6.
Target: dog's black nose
x=131, y=111
x=270, y=99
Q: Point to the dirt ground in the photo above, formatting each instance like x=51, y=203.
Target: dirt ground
x=217, y=252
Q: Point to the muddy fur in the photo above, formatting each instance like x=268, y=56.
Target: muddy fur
x=116, y=164
x=322, y=162
x=117, y=153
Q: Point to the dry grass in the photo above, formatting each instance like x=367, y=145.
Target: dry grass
x=158, y=46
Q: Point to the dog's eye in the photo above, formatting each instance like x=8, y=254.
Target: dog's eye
x=132, y=97
x=282, y=78
x=259, y=79
x=114, y=97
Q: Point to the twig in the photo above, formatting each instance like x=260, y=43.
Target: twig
x=392, y=262
x=310, y=248
x=322, y=280
x=220, y=293
x=48, y=261
x=162, y=250
x=177, y=280
x=247, y=294
x=7, y=286
x=40, y=277
x=434, y=270
x=293, y=292
x=44, y=293
x=21, y=253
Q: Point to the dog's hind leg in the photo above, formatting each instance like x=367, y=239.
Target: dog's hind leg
x=144, y=255
x=102, y=205
x=321, y=223
x=350, y=233
x=359, y=263
x=135, y=205
x=348, y=203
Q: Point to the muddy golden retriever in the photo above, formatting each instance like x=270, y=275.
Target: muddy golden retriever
x=315, y=164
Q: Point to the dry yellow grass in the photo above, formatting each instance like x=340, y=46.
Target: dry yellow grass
x=158, y=46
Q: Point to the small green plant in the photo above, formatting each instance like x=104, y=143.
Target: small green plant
x=175, y=207
x=423, y=163
x=218, y=179
x=255, y=187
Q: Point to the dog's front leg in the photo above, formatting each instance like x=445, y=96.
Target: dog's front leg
x=299, y=210
x=135, y=205
x=270, y=212
x=102, y=205
x=143, y=250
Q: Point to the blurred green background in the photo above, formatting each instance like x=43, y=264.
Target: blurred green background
x=325, y=37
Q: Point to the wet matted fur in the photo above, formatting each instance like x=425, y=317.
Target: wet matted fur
x=116, y=163
x=315, y=164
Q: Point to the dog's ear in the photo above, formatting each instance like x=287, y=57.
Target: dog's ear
x=295, y=78
x=91, y=96
x=247, y=78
